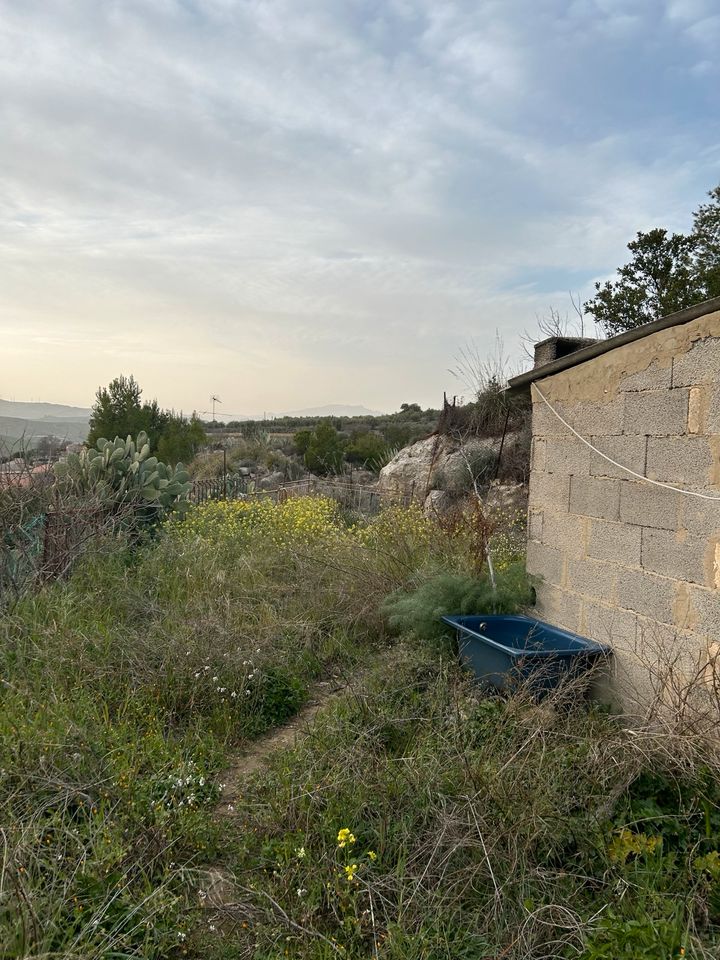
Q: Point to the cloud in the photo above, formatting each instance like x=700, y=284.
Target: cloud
x=290, y=205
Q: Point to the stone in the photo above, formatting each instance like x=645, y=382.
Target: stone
x=435, y=461
x=272, y=481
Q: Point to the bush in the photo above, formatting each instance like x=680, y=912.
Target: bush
x=368, y=450
x=419, y=612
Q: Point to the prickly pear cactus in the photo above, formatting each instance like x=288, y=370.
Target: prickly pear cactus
x=121, y=472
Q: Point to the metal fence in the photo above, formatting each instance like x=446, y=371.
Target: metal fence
x=352, y=496
x=219, y=488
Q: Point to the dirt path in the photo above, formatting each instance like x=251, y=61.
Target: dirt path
x=255, y=754
x=218, y=891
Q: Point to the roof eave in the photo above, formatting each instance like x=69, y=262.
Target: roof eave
x=523, y=380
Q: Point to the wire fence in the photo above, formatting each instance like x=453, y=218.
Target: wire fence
x=352, y=496
x=47, y=545
x=219, y=488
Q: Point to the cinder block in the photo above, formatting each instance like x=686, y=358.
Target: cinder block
x=593, y=578
x=595, y=497
x=704, y=613
x=549, y=490
x=544, y=421
x=712, y=423
x=535, y=525
x=617, y=542
x=682, y=461
x=545, y=562
x=656, y=413
x=565, y=532
x=608, y=624
x=699, y=365
x=663, y=644
x=596, y=419
x=642, y=503
x=647, y=594
x=567, y=455
x=628, y=451
x=654, y=377
x=699, y=517
x=537, y=454
x=674, y=554
x=557, y=606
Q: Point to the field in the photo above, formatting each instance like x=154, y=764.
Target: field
x=413, y=818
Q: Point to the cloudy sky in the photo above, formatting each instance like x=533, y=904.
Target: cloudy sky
x=296, y=202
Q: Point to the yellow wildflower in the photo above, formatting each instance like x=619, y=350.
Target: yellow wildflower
x=350, y=871
x=345, y=838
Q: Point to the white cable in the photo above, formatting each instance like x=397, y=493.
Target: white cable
x=620, y=466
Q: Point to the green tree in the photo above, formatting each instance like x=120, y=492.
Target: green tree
x=324, y=452
x=117, y=410
x=706, y=230
x=301, y=441
x=662, y=276
x=180, y=439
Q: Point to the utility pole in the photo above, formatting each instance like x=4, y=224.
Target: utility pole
x=214, y=401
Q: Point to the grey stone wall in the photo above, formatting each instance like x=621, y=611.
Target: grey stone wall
x=617, y=559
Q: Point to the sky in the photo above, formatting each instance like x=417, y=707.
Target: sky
x=290, y=203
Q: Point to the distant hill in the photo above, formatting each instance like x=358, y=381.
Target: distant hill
x=23, y=424
x=42, y=411
x=16, y=432
x=333, y=410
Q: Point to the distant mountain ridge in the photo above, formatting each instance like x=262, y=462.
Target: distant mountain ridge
x=28, y=410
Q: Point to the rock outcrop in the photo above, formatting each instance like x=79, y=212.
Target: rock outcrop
x=439, y=471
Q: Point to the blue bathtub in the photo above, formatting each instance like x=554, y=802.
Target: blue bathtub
x=505, y=651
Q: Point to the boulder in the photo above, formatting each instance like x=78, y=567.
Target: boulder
x=439, y=462
x=272, y=481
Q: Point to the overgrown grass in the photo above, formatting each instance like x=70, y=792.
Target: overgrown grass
x=479, y=828
x=421, y=821
x=123, y=689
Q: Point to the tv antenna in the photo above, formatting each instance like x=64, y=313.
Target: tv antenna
x=214, y=400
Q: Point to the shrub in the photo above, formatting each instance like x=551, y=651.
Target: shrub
x=368, y=450
x=419, y=612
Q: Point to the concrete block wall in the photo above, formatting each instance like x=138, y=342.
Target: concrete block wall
x=617, y=559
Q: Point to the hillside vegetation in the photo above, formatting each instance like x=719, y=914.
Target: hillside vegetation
x=419, y=819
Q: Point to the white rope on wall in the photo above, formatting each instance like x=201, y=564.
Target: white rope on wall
x=620, y=466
